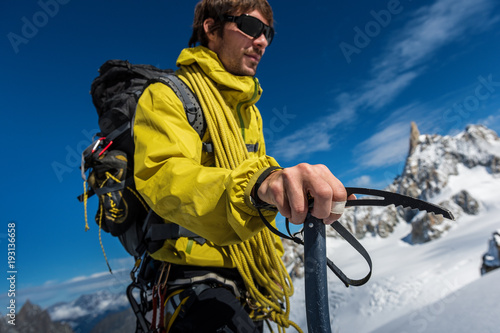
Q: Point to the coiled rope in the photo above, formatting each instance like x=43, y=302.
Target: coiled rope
x=100, y=210
x=268, y=283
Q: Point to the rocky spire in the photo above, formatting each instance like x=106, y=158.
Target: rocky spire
x=432, y=161
x=414, y=135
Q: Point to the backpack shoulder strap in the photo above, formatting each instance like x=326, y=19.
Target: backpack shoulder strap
x=192, y=107
x=191, y=104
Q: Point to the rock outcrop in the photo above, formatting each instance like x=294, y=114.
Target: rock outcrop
x=431, y=161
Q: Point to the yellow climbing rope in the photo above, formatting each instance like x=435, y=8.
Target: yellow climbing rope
x=115, y=211
x=85, y=198
x=267, y=281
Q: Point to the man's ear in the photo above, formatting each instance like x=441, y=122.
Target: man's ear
x=208, y=26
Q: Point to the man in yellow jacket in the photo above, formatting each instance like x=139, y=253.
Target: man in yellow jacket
x=216, y=194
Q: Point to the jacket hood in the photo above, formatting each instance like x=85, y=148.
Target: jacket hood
x=234, y=88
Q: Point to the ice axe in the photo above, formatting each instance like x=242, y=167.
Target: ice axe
x=316, y=262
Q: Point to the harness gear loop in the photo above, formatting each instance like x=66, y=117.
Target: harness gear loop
x=155, y=308
x=159, y=292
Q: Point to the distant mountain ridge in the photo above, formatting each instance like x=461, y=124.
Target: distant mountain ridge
x=431, y=161
x=32, y=319
x=84, y=313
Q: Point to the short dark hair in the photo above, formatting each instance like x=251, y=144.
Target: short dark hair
x=216, y=9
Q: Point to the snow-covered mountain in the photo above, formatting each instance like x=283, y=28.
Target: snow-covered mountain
x=422, y=264
x=86, y=311
x=30, y=319
x=438, y=169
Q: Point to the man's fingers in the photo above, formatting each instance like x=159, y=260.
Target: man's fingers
x=297, y=199
x=331, y=200
x=290, y=188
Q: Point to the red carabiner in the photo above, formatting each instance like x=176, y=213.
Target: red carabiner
x=105, y=148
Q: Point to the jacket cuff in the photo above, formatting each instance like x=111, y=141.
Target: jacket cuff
x=254, y=197
x=242, y=180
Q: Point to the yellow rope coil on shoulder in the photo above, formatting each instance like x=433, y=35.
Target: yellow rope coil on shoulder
x=267, y=281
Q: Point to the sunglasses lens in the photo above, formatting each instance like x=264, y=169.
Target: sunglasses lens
x=269, y=34
x=251, y=26
x=254, y=27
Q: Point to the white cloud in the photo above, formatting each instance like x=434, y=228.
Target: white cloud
x=381, y=91
x=370, y=182
x=313, y=138
x=431, y=28
x=306, y=141
x=403, y=60
x=363, y=181
x=386, y=147
x=77, y=279
x=66, y=312
x=52, y=291
x=492, y=121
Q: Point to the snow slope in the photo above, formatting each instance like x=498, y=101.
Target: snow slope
x=418, y=287
x=474, y=308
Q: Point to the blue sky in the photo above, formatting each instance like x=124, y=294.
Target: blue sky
x=342, y=81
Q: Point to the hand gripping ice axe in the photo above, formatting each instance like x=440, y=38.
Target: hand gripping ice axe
x=316, y=262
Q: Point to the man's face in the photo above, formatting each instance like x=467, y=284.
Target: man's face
x=239, y=53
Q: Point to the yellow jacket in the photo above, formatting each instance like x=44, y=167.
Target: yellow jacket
x=178, y=179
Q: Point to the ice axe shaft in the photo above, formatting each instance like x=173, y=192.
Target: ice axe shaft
x=316, y=283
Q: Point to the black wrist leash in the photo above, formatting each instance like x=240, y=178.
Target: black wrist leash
x=337, y=226
x=383, y=198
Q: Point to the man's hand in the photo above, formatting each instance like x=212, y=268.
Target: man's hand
x=288, y=190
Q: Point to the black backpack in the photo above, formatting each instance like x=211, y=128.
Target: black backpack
x=109, y=159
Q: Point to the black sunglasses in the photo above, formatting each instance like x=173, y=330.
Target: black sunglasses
x=252, y=26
